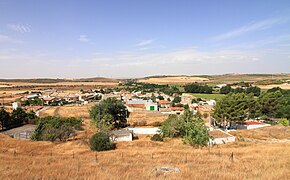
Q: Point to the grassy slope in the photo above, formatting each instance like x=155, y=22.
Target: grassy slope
x=33, y=160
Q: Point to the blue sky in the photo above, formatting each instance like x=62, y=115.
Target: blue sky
x=134, y=38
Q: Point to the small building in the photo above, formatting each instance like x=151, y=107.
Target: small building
x=121, y=135
x=164, y=104
x=252, y=125
x=177, y=110
x=151, y=106
x=151, y=131
x=16, y=105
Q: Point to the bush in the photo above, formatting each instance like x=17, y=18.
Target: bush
x=101, y=142
x=56, y=128
x=284, y=122
x=156, y=137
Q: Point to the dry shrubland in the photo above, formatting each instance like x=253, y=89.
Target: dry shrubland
x=137, y=159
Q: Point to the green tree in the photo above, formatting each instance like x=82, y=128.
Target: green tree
x=110, y=113
x=284, y=122
x=171, y=126
x=4, y=118
x=101, y=142
x=271, y=103
x=18, y=117
x=160, y=97
x=255, y=90
x=232, y=107
x=226, y=89
x=56, y=128
x=191, y=129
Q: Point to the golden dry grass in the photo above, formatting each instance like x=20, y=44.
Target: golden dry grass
x=44, y=160
x=271, y=132
x=173, y=80
x=146, y=118
x=282, y=86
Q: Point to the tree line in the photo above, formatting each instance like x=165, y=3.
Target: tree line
x=238, y=107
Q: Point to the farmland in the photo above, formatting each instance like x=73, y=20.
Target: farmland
x=173, y=80
x=208, y=96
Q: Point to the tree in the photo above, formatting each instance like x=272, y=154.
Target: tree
x=56, y=128
x=191, y=129
x=177, y=99
x=110, y=113
x=239, y=90
x=271, y=103
x=196, y=88
x=255, y=90
x=197, y=133
x=233, y=107
x=18, y=117
x=171, y=126
x=226, y=89
x=4, y=118
x=101, y=142
x=160, y=97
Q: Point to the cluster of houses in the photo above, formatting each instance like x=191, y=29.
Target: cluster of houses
x=54, y=97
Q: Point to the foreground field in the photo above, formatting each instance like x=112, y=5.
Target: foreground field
x=137, y=160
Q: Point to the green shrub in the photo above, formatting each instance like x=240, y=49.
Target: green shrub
x=101, y=142
x=284, y=122
x=156, y=137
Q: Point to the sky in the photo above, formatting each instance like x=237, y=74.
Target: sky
x=137, y=38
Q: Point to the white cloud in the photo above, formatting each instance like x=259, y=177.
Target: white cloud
x=21, y=28
x=83, y=38
x=253, y=26
x=4, y=38
x=145, y=42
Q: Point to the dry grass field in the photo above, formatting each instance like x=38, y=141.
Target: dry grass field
x=77, y=111
x=148, y=118
x=282, y=86
x=137, y=159
x=173, y=80
x=266, y=133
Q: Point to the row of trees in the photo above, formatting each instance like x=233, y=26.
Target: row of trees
x=197, y=88
x=191, y=129
x=237, y=107
x=228, y=89
x=16, y=118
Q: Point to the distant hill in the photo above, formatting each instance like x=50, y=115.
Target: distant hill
x=48, y=80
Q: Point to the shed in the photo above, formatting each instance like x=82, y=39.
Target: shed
x=121, y=135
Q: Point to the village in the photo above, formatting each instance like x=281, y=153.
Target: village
x=146, y=111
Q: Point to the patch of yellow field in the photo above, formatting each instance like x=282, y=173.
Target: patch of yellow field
x=282, y=86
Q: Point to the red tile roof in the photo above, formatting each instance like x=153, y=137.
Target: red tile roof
x=177, y=108
x=164, y=102
x=252, y=123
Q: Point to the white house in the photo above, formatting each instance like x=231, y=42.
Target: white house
x=16, y=105
x=151, y=106
x=121, y=135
